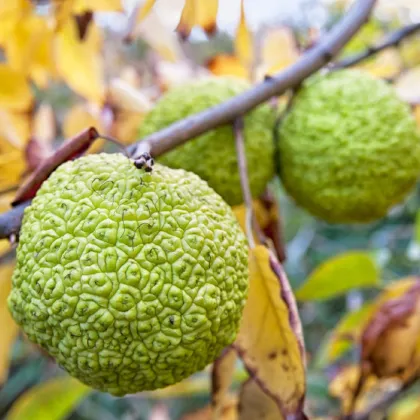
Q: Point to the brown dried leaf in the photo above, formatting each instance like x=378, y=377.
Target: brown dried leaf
x=67, y=151
x=35, y=152
x=270, y=339
x=396, y=321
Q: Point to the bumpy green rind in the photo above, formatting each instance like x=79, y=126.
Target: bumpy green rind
x=349, y=148
x=131, y=280
x=212, y=155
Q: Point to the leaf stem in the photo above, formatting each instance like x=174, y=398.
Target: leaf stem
x=391, y=40
x=238, y=126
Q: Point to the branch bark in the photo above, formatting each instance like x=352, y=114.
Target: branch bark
x=392, y=40
x=225, y=113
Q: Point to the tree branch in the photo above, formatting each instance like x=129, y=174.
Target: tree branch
x=314, y=59
x=226, y=112
x=391, y=40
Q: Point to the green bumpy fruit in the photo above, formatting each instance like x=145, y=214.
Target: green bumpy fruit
x=131, y=280
x=212, y=155
x=349, y=148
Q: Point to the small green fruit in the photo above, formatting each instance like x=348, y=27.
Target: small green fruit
x=131, y=280
x=212, y=155
x=349, y=148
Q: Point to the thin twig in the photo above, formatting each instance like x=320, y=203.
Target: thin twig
x=238, y=126
x=226, y=112
x=387, y=401
x=391, y=40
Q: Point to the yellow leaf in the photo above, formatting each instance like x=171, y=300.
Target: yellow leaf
x=417, y=117
x=270, y=337
x=160, y=37
x=206, y=14
x=80, y=117
x=124, y=96
x=187, y=20
x=279, y=50
x=145, y=9
x=227, y=65
x=81, y=6
x=9, y=328
x=52, y=400
x=125, y=126
x=344, y=385
x=385, y=65
x=348, y=331
x=229, y=412
x=406, y=409
x=15, y=93
x=395, y=289
x=339, y=274
x=12, y=12
x=63, y=10
x=198, y=12
x=190, y=386
x=80, y=63
x=222, y=375
x=408, y=85
x=254, y=403
x=409, y=50
x=15, y=130
x=243, y=40
x=29, y=48
x=12, y=165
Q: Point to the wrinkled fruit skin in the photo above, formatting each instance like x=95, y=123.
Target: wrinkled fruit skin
x=212, y=155
x=349, y=148
x=131, y=280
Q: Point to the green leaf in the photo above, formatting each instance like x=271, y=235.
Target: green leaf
x=336, y=276
x=347, y=331
x=417, y=228
x=52, y=400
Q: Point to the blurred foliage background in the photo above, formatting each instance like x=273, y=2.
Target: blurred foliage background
x=101, y=79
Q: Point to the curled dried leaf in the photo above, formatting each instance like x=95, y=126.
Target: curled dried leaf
x=396, y=321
